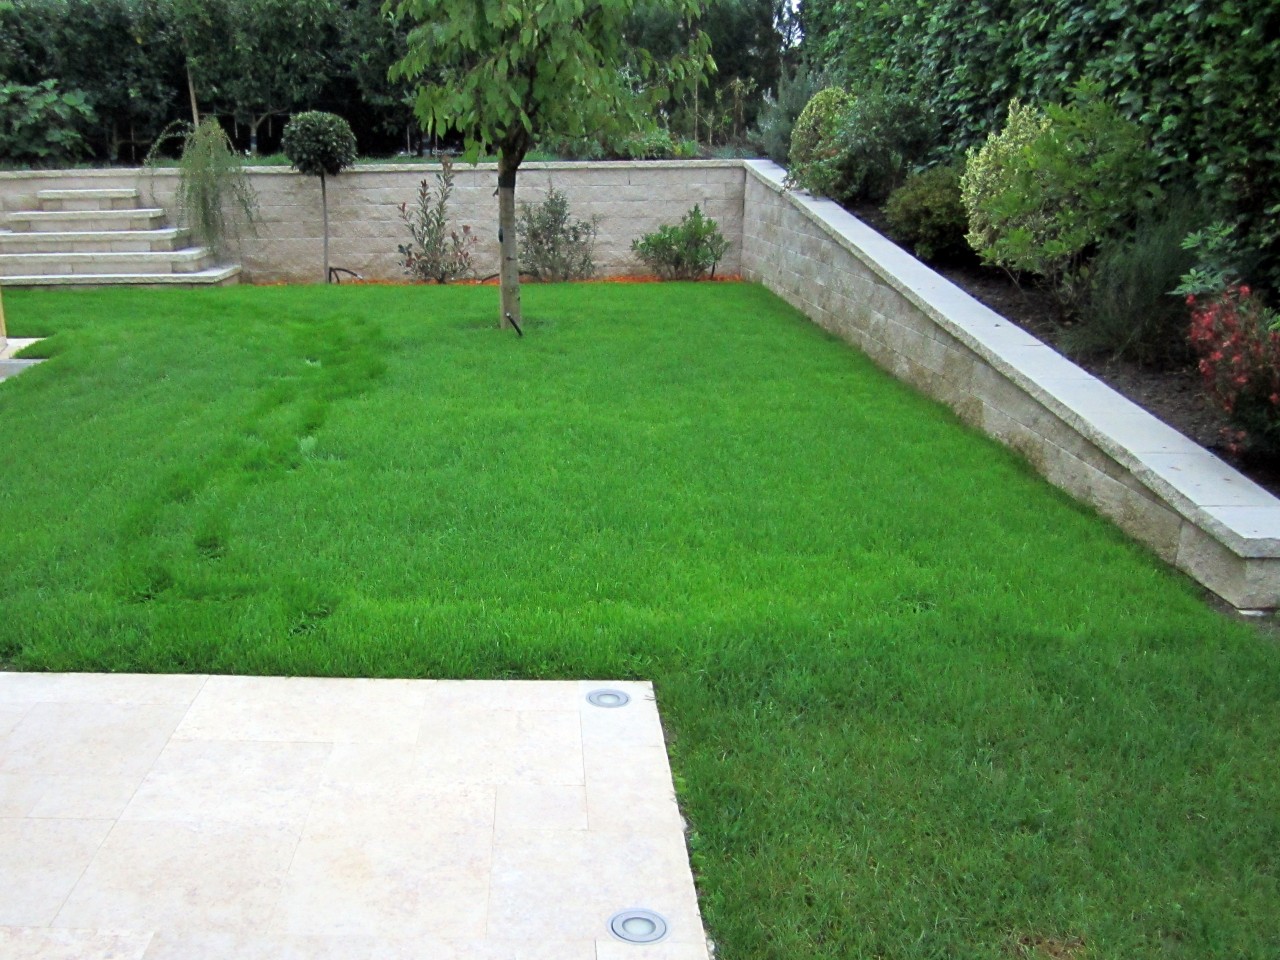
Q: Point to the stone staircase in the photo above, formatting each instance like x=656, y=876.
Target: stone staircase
x=101, y=237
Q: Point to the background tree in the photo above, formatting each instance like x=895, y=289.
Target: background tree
x=320, y=144
x=514, y=70
x=371, y=42
x=279, y=58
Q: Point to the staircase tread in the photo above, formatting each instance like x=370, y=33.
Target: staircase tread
x=72, y=279
x=159, y=233
x=186, y=253
x=87, y=193
x=86, y=214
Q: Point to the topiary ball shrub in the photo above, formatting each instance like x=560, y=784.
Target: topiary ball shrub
x=926, y=213
x=878, y=138
x=813, y=141
x=319, y=144
x=1046, y=191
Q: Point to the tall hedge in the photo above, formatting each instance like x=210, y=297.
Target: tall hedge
x=1199, y=75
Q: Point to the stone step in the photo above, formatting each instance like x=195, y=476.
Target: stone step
x=94, y=241
x=11, y=368
x=108, y=198
x=212, y=276
x=61, y=221
x=189, y=260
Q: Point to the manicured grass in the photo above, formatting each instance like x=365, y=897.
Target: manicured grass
x=919, y=703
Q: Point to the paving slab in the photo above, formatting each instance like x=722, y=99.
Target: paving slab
x=210, y=817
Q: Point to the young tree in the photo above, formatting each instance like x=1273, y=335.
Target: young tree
x=504, y=72
x=320, y=144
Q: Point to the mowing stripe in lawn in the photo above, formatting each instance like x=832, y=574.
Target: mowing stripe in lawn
x=919, y=703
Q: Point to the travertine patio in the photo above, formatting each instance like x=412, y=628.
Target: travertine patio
x=217, y=817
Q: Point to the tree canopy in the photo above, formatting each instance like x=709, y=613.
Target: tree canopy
x=504, y=72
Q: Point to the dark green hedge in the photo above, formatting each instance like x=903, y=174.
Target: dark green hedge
x=1202, y=77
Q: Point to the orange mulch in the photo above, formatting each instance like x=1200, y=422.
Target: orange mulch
x=493, y=281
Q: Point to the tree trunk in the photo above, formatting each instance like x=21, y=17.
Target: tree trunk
x=191, y=92
x=508, y=249
x=324, y=205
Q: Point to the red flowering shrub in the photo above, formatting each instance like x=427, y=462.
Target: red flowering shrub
x=1231, y=332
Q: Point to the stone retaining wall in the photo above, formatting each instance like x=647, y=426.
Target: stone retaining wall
x=1193, y=510
x=365, y=228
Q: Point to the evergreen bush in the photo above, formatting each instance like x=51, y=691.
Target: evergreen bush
x=778, y=113
x=553, y=245
x=685, y=252
x=1045, y=191
x=927, y=214
x=813, y=150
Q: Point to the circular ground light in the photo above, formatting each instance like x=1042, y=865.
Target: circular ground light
x=638, y=926
x=608, y=698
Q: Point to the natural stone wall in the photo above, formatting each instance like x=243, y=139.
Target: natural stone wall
x=364, y=209
x=1192, y=509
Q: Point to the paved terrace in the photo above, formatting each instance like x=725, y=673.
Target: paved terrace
x=193, y=817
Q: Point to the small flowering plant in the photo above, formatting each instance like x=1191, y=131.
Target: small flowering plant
x=1231, y=333
x=1234, y=334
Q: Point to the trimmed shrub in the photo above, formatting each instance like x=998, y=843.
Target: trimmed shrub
x=1042, y=193
x=878, y=139
x=319, y=144
x=684, y=252
x=553, y=246
x=927, y=214
x=813, y=141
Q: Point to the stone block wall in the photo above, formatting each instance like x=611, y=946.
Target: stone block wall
x=365, y=228
x=1193, y=510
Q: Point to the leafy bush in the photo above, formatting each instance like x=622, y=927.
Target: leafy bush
x=927, y=214
x=813, y=141
x=1051, y=186
x=1233, y=334
x=215, y=198
x=778, y=114
x=879, y=137
x=683, y=252
x=319, y=143
x=1130, y=311
x=1200, y=78
x=553, y=246
x=435, y=252
x=40, y=123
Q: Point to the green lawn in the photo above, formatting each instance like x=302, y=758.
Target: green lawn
x=919, y=703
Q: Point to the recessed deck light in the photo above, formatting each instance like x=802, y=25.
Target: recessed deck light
x=608, y=698
x=638, y=926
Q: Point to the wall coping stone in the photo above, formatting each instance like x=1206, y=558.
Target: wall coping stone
x=1199, y=486
x=360, y=168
